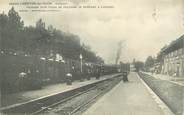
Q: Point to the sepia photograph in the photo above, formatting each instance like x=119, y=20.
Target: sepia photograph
x=91, y=57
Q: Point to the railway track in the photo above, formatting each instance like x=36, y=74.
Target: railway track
x=79, y=104
x=60, y=102
x=46, y=105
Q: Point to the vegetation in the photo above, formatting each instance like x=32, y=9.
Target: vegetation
x=40, y=40
x=139, y=65
x=149, y=63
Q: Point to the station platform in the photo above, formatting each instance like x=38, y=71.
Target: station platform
x=131, y=98
x=25, y=96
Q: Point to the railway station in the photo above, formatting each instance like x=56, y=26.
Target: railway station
x=115, y=96
x=92, y=57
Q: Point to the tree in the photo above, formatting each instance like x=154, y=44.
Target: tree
x=139, y=65
x=3, y=20
x=15, y=20
x=3, y=28
x=39, y=40
x=149, y=62
x=40, y=24
x=14, y=27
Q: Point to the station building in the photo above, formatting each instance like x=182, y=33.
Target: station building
x=172, y=58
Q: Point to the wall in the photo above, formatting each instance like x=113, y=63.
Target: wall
x=173, y=63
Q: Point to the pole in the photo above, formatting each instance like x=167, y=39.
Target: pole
x=81, y=65
x=181, y=59
x=81, y=62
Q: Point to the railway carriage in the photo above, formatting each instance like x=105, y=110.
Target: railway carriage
x=41, y=71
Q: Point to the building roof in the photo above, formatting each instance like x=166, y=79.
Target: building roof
x=174, y=45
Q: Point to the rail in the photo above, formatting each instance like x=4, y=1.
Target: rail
x=42, y=103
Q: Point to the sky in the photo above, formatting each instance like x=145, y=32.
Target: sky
x=144, y=26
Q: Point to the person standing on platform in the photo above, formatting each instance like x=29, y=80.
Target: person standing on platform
x=125, y=76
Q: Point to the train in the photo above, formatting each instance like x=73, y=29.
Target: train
x=25, y=72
